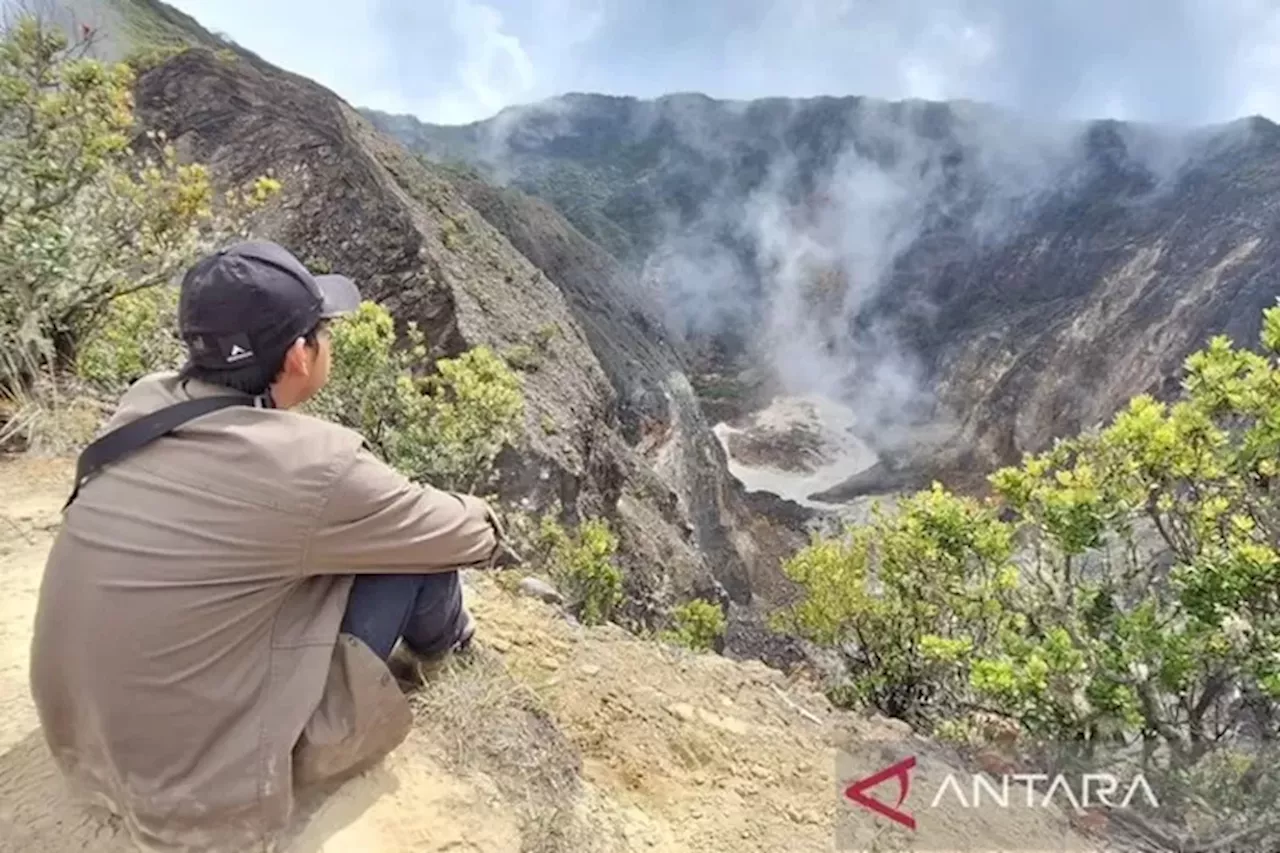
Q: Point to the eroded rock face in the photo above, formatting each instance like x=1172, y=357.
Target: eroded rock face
x=797, y=449
x=1032, y=277
x=612, y=425
x=658, y=413
x=1102, y=297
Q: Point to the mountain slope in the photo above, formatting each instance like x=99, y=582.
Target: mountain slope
x=355, y=201
x=122, y=27
x=973, y=283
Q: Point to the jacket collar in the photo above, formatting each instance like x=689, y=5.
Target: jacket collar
x=197, y=388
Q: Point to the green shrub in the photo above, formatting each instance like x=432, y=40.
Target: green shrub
x=452, y=232
x=698, y=625
x=145, y=58
x=138, y=335
x=523, y=357
x=582, y=566
x=917, y=592
x=544, y=335
x=1141, y=607
x=91, y=212
x=445, y=428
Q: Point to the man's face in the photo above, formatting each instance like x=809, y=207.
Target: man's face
x=305, y=371
x=322, y=360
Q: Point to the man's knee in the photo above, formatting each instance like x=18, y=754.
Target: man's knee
x=424, y=609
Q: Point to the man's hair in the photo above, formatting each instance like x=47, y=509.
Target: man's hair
x=254, y=379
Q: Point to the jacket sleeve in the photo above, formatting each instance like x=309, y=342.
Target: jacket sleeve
x=377, y=521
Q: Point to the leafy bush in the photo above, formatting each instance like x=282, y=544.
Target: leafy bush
x=581, y=565
x=1121, y=589
x=544, y=335
x=145, y=58
x=698, y=625
x=86, y=217
x=916, y=592
x=446, y=427
x=523, y=357
x=138, y=335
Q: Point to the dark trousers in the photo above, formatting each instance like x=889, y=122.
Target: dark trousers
x=426, y=610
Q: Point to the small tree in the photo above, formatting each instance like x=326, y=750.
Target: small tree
x=582, y=565
x=697, y=625
x=912, y=596
x=91, y=209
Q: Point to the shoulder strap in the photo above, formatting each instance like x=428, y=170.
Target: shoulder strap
x=131, y=436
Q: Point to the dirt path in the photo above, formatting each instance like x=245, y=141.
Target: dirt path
x=551, y=738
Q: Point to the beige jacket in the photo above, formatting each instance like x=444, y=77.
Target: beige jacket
x=187, y=664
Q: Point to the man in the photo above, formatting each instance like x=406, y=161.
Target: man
x=219, y=607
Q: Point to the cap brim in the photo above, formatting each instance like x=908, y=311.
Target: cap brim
x=339, y=293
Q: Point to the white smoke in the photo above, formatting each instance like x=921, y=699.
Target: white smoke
x=797, y=265
x=823, y=258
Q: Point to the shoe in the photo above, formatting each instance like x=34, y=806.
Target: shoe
x=465, y=633
x=414, y=669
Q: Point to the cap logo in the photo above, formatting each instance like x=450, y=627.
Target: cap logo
x=236, y=348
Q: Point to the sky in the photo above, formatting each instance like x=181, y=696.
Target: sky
x=456, y=61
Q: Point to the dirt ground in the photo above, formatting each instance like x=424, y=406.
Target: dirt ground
x=550, y=737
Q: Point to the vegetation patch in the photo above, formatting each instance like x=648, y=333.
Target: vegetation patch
x=94, y=218
x=1119, y=593
x=446, y=426
x=581, y=562
x=697, y=625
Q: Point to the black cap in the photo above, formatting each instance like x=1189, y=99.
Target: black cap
x=246, y=304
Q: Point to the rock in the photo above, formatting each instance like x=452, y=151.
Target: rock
x=549, y=663
x=898, y=727
x=728, y=724
x=683, y=711
x=540, y=589
x=589, y=669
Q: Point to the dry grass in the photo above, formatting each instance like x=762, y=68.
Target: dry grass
x=487, y=722
x=45, y=413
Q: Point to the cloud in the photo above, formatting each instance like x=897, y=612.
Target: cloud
x=450, y=61
x=456, y=60
x=1185, y=61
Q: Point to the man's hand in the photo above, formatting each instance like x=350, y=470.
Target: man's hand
x=506, y=556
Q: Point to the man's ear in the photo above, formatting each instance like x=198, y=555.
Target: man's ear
x=296, y=362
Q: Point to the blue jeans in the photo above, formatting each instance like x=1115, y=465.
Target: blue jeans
x=426, y=610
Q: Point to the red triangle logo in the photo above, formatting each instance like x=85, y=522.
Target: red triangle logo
x=857, y=792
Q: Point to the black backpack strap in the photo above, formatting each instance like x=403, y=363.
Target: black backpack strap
x=131, y=436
